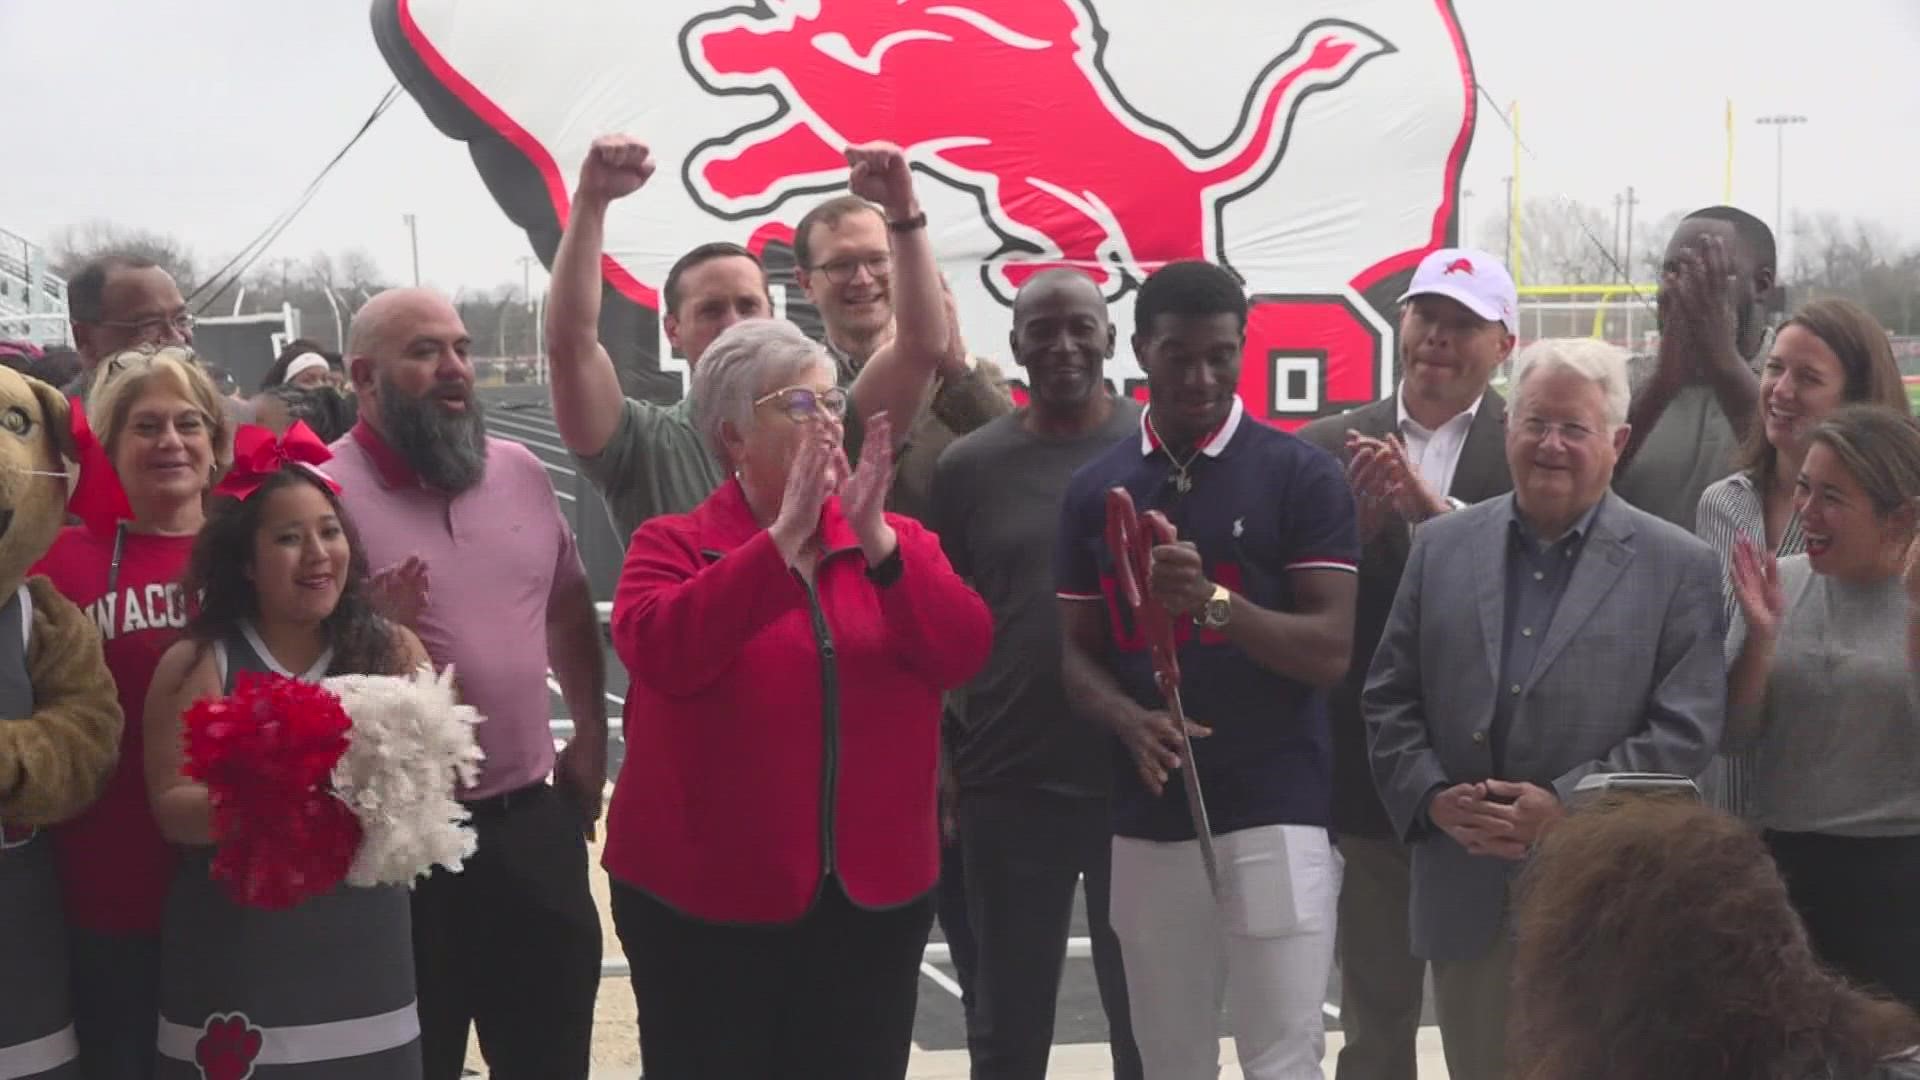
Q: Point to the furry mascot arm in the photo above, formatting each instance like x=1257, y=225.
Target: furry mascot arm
x=54, y=763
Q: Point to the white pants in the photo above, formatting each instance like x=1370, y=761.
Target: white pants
x=1266, y=952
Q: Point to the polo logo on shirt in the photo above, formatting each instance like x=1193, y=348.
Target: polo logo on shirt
x=154, y=607
x=1239, y=528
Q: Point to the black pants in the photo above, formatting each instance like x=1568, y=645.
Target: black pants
x=830, y=997
x=511, y=945
x=1025, y=851
x=950, y=907
x=116, y=1002
x=1857, y=896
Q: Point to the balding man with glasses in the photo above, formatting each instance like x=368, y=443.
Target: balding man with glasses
x=121, y=302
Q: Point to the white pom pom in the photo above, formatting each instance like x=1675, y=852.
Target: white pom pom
x=411, y=743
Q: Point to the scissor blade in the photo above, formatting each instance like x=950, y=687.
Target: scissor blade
x=1196, y=802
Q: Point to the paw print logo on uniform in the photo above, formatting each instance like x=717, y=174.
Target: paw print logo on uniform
x=228, y=1045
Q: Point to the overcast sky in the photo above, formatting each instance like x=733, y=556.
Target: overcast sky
x=206, y=118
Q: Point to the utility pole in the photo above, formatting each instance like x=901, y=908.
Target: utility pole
x=1626, y=262
x=1779, y=122
x=413, y=232
x=1614, y=253
x=526, y=289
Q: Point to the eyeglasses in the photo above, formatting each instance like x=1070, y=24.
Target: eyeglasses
x=183, y=322
x=841, y=271
x=1537, y=430
x=145, y=354
x=803, y=403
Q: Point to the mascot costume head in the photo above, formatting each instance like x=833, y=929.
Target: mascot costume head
x=59, y=728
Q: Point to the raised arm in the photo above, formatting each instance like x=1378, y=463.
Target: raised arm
x=587, y=397
x=896, y=380
x=1760, y=605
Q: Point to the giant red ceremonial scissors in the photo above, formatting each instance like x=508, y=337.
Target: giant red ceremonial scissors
x=1131, y=537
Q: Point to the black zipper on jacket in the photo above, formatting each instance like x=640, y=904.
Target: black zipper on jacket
x=829, y=724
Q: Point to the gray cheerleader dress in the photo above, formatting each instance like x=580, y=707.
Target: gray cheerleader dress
x=320, y=991
x=36, y=1031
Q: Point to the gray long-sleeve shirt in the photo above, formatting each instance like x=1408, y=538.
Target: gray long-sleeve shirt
x=1840, y=727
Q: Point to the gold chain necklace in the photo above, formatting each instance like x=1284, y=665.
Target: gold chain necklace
x=1182, y=470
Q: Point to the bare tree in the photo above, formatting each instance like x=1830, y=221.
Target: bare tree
x=77, y=245
x=1562, y=242
x=1860, y=260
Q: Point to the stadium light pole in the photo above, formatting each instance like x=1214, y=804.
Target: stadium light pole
x=1779, y=122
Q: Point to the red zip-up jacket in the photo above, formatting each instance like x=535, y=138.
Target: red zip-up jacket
x=775, y=732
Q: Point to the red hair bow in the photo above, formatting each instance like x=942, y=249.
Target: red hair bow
x=97, y=497
x=258, y=455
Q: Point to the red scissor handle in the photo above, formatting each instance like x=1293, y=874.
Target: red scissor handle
x=1131, y=537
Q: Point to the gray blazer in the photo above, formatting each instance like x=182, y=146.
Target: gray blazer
x=1631, y=677
x=1480, y=475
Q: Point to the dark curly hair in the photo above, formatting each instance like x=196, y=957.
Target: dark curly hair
x=1656, y=940
x=363, y=642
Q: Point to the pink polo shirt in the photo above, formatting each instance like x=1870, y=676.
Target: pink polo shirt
x=495, y=556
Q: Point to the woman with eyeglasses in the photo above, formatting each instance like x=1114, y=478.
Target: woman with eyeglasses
x=1824, y=692
x=772, y=841
x=163, y=438
x=1829, y=354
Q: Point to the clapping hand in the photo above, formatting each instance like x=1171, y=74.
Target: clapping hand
x=1699, y=322
x=864, y=497
x=400, y=592
x=1385, y=482
x=811, y=479
x=1756, y=585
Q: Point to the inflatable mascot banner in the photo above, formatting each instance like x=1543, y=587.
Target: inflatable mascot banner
x=1315, y=148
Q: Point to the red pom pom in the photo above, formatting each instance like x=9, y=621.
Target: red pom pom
x=266, y=753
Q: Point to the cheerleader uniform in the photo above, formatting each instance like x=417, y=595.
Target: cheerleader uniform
x=319, y=991
x=36, y=1032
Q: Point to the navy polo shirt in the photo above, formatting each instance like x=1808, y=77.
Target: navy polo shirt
x=1263, y=504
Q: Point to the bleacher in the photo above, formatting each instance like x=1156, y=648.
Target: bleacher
x=33, y=300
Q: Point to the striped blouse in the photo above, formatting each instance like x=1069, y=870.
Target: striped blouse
x=1728, y=508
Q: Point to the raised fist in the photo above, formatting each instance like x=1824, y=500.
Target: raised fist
x=227, y=1047
x=616, y=166
x=880, y=175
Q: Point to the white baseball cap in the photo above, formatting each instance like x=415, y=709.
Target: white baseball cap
x=1474, y=278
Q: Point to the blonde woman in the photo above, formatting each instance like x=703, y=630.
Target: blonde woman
x=165, y=433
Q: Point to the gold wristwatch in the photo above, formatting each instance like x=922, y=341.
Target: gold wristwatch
x=1218, y=609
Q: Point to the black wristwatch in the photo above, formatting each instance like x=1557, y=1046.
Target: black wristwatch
x=917, y=221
